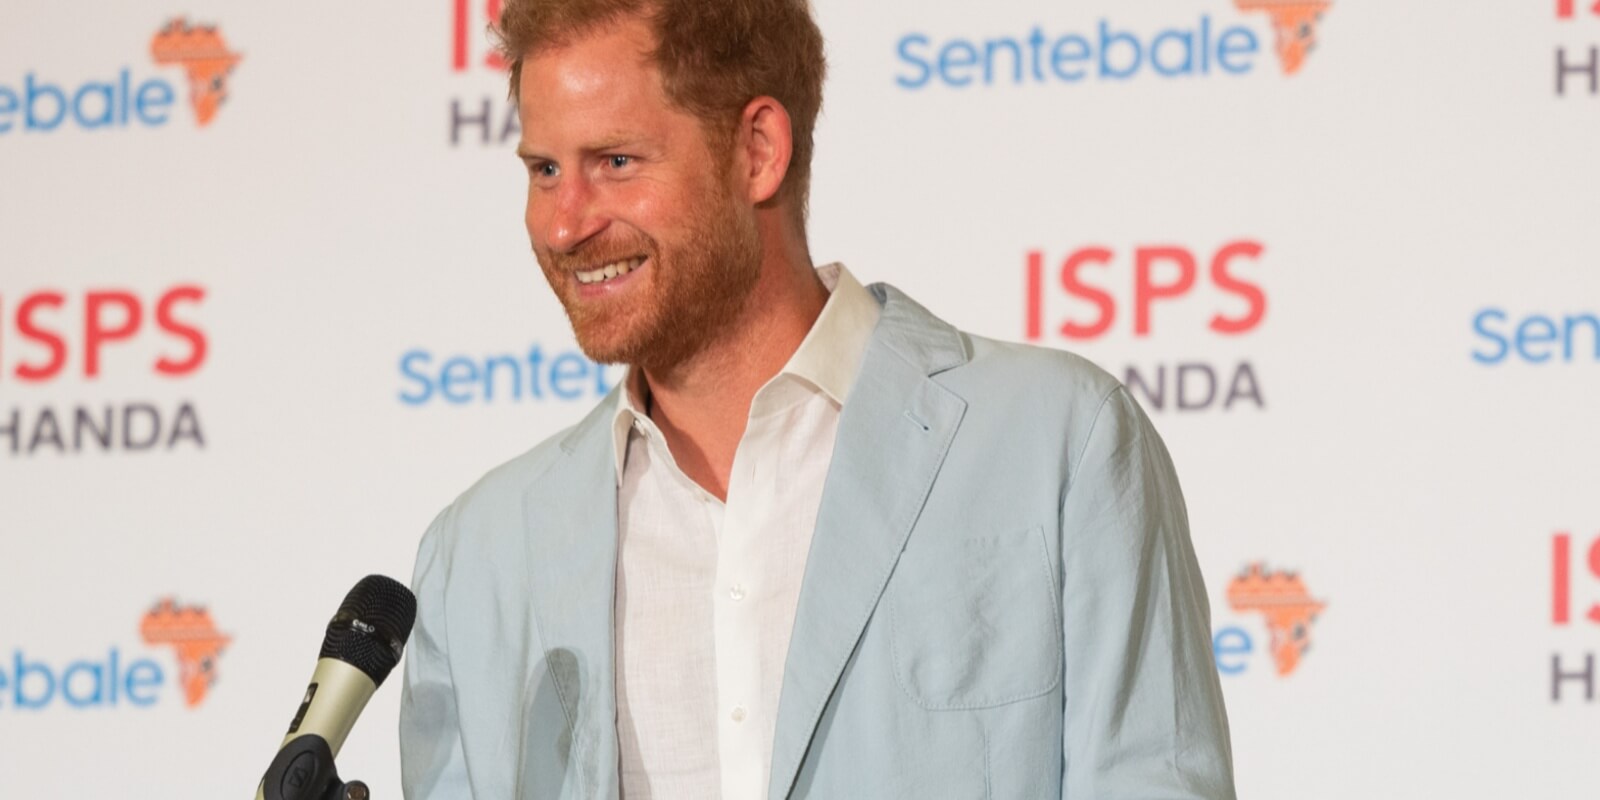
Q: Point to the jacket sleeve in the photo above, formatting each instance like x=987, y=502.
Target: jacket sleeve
x=432, y=761
x=1143, y=707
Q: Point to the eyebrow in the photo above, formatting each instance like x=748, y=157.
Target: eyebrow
x=616, y=141
x=607, y=143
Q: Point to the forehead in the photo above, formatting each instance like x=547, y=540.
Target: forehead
x=603, y=79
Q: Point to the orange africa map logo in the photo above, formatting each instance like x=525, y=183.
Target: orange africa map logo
x=1295, y=23
x=1289, y=609
x=206, y=59
x=190, y=632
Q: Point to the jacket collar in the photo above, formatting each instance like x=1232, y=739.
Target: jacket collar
x=826, y=360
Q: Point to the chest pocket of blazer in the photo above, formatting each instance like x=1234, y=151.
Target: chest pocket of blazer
x=974, y=621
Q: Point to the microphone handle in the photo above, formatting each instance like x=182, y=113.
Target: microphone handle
x=337, y=694
x=344, y=692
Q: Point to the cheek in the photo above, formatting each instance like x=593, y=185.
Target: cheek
x=535, y=214
x=639, y=205
x=662, y=210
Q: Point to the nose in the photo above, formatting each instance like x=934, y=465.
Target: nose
x=572, y=216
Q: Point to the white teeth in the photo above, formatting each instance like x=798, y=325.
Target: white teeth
x=610, y=271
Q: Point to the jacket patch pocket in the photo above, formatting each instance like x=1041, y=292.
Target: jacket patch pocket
x=974, y=622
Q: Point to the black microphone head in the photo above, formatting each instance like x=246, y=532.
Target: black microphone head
x=372, y=626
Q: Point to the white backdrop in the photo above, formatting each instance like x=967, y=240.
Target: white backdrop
x=1415, y=429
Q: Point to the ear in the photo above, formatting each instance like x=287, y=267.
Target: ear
x=767, y=141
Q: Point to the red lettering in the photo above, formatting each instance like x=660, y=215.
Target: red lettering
x=1160, y=273
x=460, y=39
x=1077, y=288
x=95, y=333
x=1561, y=579
x=1594, y=569
x=109, y=315
x=1146, y=291
x=458, y=42
x=1034, y=311
x=31, y=331
x=194, y=336
x=1568, y=9
x=1251, y=293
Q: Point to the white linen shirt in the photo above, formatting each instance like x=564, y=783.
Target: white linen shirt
x=706, y=591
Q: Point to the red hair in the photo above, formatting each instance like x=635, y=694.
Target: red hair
x=715, y=56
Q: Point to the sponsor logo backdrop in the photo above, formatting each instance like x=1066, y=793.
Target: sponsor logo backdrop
x=266, y=305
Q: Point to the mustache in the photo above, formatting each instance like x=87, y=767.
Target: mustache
x=598, y=252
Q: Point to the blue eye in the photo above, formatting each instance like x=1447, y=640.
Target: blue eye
x=545, y=169
x=618, y=162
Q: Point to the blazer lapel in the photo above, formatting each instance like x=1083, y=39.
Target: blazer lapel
x=893, y=435
x=572, y=549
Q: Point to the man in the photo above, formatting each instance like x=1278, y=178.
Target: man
x=819, y=543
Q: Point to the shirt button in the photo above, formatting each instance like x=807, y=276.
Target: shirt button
x=738, y=714
x=736, y=592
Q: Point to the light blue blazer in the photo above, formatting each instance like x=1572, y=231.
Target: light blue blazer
x=1001, y=601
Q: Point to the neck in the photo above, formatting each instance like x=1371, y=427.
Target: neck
x=701, y=405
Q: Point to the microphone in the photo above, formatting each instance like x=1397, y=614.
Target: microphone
x=363, y=644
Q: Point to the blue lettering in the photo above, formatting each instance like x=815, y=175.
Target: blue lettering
x=142, y=674
x=1109, y=39
x=31, y=92
x=1061, y=56
x=108, y=105
x=489, y=370
x=410, y=372
x=535, y=357
x=154, y=97
x=1035, y=45
x=84, y=683
x=1572, y=322
x=1479, y=326
x=125, y=80
x=96, y=678
x=461, y=380
x=8, y=106
x=1535, y=330
x=44, y=106
x=989, y=49
x=948, y=60
x=1113, y=54
x=560, y=376
x=1534, y=336
x=1185, y=41
x=457, y=370
x=19, y=676
x=907, y=56
x=1247, y=47
x=1228, y=643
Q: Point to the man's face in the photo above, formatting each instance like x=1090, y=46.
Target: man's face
x=637, y=224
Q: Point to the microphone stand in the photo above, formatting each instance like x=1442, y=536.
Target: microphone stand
x=304, y=770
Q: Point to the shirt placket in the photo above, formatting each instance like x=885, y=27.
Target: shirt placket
x=737, y=610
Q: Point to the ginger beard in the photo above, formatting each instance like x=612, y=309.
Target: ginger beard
x=695, y=283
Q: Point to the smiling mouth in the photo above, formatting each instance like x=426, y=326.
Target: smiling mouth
x=609, y=271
